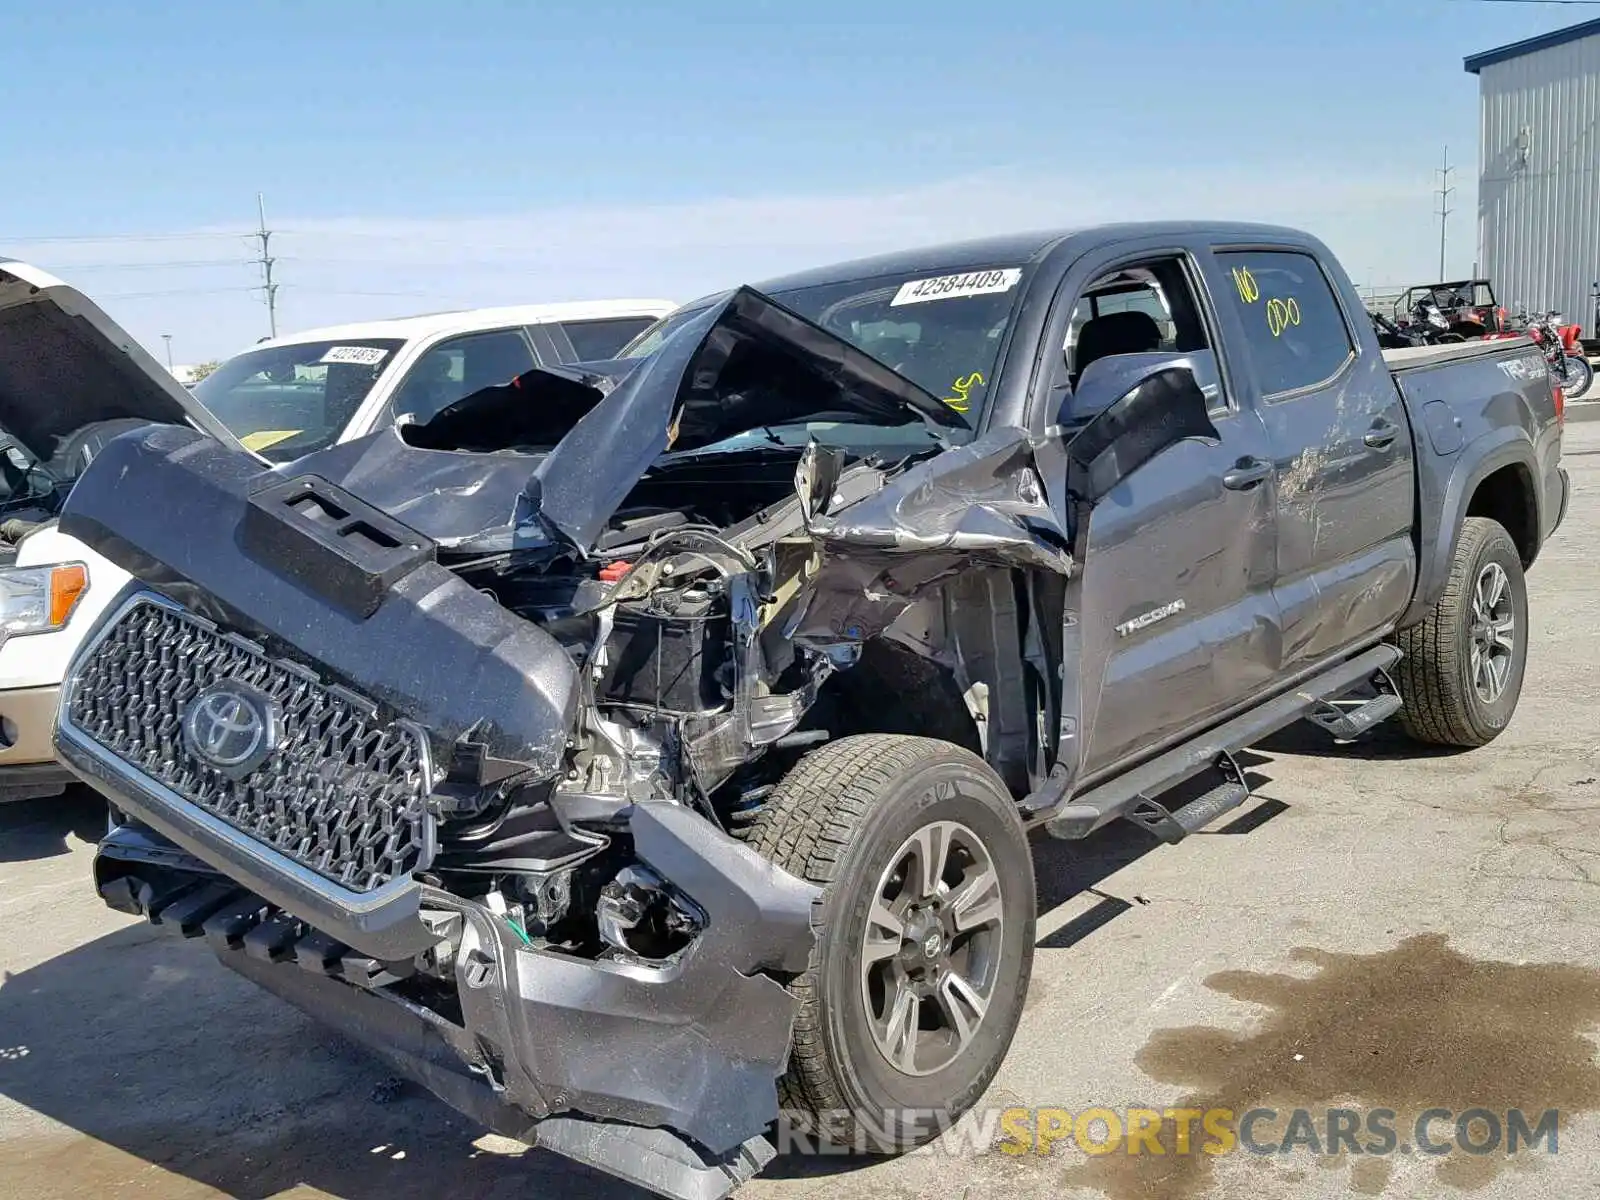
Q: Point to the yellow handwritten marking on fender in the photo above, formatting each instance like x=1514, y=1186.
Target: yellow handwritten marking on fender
x=962, y=401
x=1249, y=291
x=1281, y=314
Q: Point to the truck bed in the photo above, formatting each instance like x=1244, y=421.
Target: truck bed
x=1414, y=358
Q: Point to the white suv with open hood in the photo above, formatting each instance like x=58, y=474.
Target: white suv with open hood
x=71, y=379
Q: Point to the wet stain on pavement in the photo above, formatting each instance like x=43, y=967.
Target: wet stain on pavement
x=1409, y=1029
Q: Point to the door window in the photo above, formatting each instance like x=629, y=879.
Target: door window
x=1145, y=307
x=1296, y=331
x=458, y=367
x=595, y=340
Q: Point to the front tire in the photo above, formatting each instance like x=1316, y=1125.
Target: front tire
x=1462, y=670
x=925, y=941
x=1579, y=375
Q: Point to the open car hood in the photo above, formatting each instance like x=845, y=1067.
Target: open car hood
x=742, y=364
x=65, y=364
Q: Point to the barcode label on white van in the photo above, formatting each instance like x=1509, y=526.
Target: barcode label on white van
x=365, y=356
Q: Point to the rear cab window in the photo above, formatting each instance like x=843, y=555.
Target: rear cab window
x=1295, y=330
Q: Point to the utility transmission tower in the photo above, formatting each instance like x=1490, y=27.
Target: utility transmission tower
x=1443, y=192
x=265, y=262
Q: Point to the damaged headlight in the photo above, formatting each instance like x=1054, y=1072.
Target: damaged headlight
x=40, y=599
x=642, y=915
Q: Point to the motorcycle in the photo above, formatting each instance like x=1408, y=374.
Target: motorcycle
x=1563, y=352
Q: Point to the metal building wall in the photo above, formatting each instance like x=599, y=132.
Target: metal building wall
x=1539, y=192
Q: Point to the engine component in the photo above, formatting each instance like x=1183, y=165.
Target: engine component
x=669, y=653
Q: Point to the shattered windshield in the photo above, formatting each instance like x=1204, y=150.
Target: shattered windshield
x=286, y=401
x=942, y=332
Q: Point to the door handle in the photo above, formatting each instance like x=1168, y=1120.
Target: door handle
x=1246, y=473
x=1381, y=434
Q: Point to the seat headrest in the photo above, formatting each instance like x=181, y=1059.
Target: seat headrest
x=1116, y=333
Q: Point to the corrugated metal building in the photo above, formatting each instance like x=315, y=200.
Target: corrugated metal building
x=1539, y=171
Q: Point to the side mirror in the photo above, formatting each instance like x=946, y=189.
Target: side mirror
x=1107, y=380
x=1161, y=409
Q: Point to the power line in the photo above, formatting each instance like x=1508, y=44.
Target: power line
x=314, y=290
x=173, y=265
x=217, y=291
x=66, y=239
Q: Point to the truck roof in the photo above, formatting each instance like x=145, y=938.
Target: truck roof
x=469, y=319
x=1015, y=248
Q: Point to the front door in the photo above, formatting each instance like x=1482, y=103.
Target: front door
x=1179, y=556
x=1341, y=451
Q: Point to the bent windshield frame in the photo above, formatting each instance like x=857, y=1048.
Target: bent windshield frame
x=944, y=331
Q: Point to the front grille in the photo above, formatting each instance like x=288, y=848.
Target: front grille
x=343, y=792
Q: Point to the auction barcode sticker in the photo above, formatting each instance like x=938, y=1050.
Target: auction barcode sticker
x=951, y=287
x=366, y=356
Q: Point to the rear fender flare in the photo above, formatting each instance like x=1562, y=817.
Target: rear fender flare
x=1507, y=446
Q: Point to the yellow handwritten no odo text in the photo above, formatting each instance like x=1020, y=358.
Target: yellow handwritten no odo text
x=1249, y=291
x=1281, y=314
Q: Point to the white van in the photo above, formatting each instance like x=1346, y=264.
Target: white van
x=71, y=378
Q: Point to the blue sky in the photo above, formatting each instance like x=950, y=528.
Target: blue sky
x=419, y=156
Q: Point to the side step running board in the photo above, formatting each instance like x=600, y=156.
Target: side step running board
x=1173, y=825
x=1347, y=724
x=1081, y=815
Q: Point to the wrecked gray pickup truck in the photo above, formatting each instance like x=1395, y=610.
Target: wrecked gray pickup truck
x=632, y=756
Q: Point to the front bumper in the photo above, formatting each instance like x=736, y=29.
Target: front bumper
x=660, y=1073
x=28, y=767
x=27, y=716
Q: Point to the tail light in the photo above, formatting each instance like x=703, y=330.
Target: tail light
x=1560, y=397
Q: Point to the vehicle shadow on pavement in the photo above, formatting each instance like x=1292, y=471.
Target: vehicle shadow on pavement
x=1065, y=870
x=33, y=829
x=160, y=1057
x=1386, y=741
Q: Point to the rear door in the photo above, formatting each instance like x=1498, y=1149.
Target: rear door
x=1340, y=445
x=1179, y=557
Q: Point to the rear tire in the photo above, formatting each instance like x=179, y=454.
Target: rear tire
x=1462, y=670
x=917, y=980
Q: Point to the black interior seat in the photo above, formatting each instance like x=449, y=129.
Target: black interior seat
x=1115, y=333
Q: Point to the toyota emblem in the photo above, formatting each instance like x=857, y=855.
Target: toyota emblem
x=231, y=728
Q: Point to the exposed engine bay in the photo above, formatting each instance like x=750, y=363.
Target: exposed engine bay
x=521, y=675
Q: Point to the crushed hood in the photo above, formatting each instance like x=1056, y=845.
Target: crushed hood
x=743, y=363
x=65, y=364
